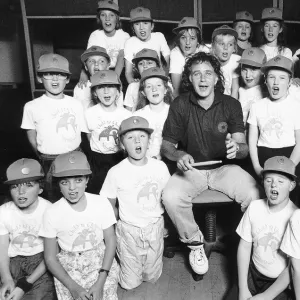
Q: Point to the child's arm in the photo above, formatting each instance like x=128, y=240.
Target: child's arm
x=113, y=202
x=110, y=250
x=54, y=266
x=120, y=63
x=243, y=261
x=176, y=80
x=235, y=88
x=167, y=59
x=83, y=78
x=31, y=135
x=296, y=276
x=253, y=138
x=280, y=284
x=8, y=284
x=129, y=71
x=295, y=156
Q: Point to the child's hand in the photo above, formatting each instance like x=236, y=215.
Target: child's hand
x=16, y=294
x=245, y=294
x=79, y=293
x=96, y=291
x=258, y=170
x=6, y=289
x=231, y=146
x=82, y=83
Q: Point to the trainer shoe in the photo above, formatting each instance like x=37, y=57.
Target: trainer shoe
x=198, y=259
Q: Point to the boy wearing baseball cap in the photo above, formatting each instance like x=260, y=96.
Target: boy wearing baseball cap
x=137, y=183
x=252, y=78
x=265, y=272
x=224, y=45
x=54, y=121
x=22, y=268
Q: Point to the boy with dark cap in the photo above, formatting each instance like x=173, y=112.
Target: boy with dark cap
x=137, y=183
x=22, y=268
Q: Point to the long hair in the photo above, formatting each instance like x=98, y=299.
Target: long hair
x=202, y=57
x=176, y=41
x=118, y=21
x=143, y=101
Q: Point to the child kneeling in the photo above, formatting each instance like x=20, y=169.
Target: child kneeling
x=137, y=183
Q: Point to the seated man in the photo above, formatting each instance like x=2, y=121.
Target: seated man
x=208, y=126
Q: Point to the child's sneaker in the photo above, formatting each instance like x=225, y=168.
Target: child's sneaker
x=198, y=259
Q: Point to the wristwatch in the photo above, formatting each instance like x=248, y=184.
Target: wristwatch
x=104, y=270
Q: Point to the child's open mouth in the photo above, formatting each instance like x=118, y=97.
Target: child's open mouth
x=22, y=200
x=274, y=195
x=275, y=90
x=270, y=35
x=55, y=84
x=143, y=33
x=138, y=149
x=107, y=98
x=107, y=24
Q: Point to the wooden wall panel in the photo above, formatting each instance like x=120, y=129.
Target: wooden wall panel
x=291, y=10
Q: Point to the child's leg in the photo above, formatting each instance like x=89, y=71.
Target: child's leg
x=131, y=253
x=153, y=266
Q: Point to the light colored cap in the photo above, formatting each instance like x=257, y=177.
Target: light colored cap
x=255, y=57
x=279, y=62
x=94, y=50
x=53, y=63
x=71, y=164
x=134, y=123
x=187, y=22
x=280, y=164
x=154, y=72
x=243, y=16
x=24, y=170
x=146, y=54
x=140, y=14
x=105, y=77
x=224, y=29
x=271, y=13
x=108, y=5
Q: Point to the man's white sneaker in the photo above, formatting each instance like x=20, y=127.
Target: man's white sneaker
x=198, y=259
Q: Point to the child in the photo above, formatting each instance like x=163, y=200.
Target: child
x=188, y=41
x=142, y=26
x=53, y=121
x=253, y=90
x=290, y=246
x=94, y=59
x=274, y=121
x=243, y=25
x=261, y=229
x=224, y=41
x=154, y=106
x=83, y=227
x=144, y=59
x=273, y=33
x=103, y=121
x=22, y=269
x=137, y=183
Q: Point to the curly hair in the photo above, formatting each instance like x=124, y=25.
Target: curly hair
x=118, y=21
x=202, y=57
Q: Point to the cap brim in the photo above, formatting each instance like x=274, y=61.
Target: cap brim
x=54, y=70
x=74, y=172
x=17, y=181
x=271, y=18
x=279, y=171
x=141, y=19
x=106, y=83
x=264, y=69
x=163, y=77
x=108, y=8
x=243, y=20
x=137, y=59
x=84, y=57
x=250, y=63
x=225, y=31
x=177, y=29
x=149, y=130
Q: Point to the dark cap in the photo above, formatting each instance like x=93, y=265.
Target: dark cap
x=53, y=63
x=146, y=54
x=243, y=16
x=225, y=29
x=187, y=22
x=255, y=57
x=279, y=62
x=154, y=72
x=280, y=164
x=108, y=5
x=94, y=50
x=134, y=123
x=105, y=77
x=140, y=14
x=271, y=13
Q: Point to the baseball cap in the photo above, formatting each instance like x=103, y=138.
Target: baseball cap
x=279, y=62
x=224, y=29
x=134, y=123
x=255, y=57
x=105, y=77
x=280, y=164
x=187, y=22
x=153, y=72
x=271, y=13
x=94, y=50
x=23, y=170
x=146, y=54
x=140, y=14
x=109, y=5
x=53, y=63
x=70, y=164
x=243, y=16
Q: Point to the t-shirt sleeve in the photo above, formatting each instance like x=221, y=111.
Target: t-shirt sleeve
x=176, y=66
x=126, y=36
x=252, y=120
x=82, y=119
x=165, y=50
x=236, y=123
x=108, y=217
x=287, y=52
x=128, y=49
x=166, y=174
x=109, y=187
x=129, y=98
x=297, y=119
x=3, y=228
x=48, y=228
x=92, y=40
x=244, y=228
x=174, y=127
x=27, y=120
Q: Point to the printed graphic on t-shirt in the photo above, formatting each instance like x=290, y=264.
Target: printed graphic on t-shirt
x=66, y=125
x=148, y=196
x=113, y=52
x=108, y=136
x=25, y=239
x=273, y=127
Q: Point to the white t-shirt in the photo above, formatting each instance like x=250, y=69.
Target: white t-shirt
x=58, y=123
x=84, y=95
x=277, y=121
x=156, y=121
x=291, y=240
x=157, y=42
x=295, y=56
x=132, y=94
x=138, y=189
x=78, y=231
x=23, y=229
x=104, y=127
x=265, y=230
x=230, y=72
x=112, y=44
x=178, y=60
x=273, y=51
x=249, y=96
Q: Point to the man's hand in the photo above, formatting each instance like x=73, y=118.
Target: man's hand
x=184, y=162
x=6, y=289
x=232, y=147
x=16, y=294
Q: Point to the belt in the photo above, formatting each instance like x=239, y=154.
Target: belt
x=209, y=167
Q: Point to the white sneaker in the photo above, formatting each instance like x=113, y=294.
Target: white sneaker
x=198, y=259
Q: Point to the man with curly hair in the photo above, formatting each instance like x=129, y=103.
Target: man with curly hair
x=204, y=125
